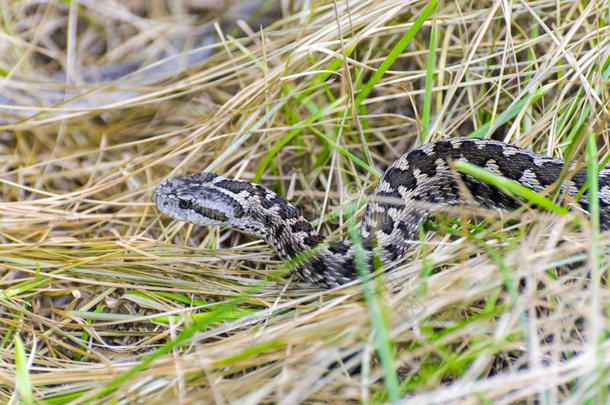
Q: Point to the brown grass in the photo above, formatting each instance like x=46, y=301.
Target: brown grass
x=100, y=101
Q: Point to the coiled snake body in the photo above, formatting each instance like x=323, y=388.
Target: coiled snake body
x=394, y=211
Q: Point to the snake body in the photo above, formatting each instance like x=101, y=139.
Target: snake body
x=421, y=178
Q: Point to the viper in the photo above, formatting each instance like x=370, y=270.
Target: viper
x=421, y=179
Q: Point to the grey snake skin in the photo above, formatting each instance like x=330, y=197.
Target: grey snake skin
x=394, y=211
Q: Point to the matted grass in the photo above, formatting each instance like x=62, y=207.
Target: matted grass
x=104, y=299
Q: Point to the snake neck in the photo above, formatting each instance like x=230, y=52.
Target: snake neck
x=315, y=259
x=324, y=262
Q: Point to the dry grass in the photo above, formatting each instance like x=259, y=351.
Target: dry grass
x=100, y=101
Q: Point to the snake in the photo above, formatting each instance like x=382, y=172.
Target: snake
x=403, y=200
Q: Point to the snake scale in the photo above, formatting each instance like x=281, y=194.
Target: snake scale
x=394, y=211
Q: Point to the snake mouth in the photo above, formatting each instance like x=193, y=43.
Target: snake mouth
x=155, y=196
x=160, y=197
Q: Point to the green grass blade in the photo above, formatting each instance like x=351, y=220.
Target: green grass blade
x=395, y=52
x=429, y=81
x=249, y=132
x=272, y=152
x=504, y=117
x=510, y=186
x=593, y=195
x=251, y=352
x=247, y=52
x=23, y=383
x=380, y=328
x=347, y=153
x=592, y=179
x=594, y=258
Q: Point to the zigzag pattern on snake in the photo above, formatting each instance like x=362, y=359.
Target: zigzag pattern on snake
x=393, y=214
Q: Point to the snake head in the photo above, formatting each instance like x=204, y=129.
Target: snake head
x=196, y=199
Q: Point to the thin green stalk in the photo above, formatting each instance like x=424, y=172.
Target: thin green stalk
x=22, y=376
x=509, y=186
x=395, y=52
x=429, y=81
x=381, y=336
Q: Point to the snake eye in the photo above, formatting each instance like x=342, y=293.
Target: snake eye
x=184, y=204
